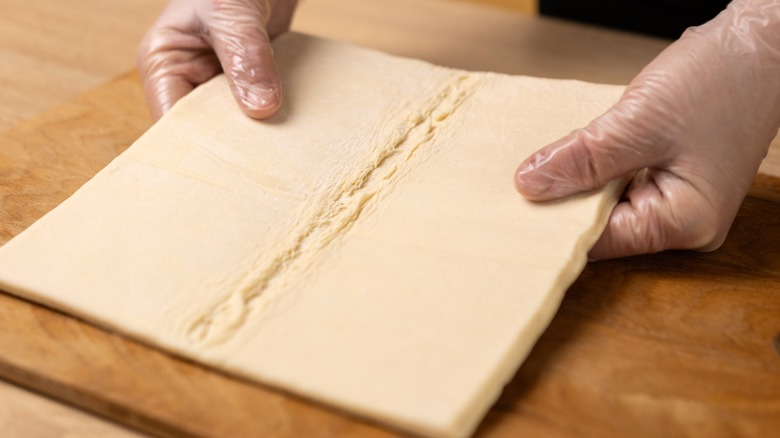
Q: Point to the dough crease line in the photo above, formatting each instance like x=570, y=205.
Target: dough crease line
x=347, y=203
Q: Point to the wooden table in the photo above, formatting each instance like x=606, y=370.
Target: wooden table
x=677, y=343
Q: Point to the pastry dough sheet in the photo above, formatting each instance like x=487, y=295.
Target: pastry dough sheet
x=365, y=247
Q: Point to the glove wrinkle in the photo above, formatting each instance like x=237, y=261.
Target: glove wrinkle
x=193, y=40
x=695, y=123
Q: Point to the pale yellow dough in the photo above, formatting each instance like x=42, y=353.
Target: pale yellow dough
x=365, y=247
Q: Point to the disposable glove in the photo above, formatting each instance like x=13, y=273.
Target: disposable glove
x=193, y=40
x=692, y=129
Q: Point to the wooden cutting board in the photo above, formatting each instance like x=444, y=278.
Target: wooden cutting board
x=672, y=344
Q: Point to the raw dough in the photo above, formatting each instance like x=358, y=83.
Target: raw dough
x=365, y=247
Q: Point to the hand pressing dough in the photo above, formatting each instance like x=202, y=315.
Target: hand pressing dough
x=365, y=247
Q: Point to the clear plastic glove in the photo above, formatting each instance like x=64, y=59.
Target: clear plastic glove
x=193, y=40
x=692, y=129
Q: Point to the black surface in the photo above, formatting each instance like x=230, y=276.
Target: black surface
x=665, y=18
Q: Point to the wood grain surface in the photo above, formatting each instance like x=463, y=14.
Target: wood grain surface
x=51, y=51
x=677, y=343
x=673, y=344
x=26, y=414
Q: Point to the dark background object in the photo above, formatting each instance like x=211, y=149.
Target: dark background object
x=664, y=18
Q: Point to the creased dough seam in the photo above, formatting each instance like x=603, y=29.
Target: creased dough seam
x=225, y=318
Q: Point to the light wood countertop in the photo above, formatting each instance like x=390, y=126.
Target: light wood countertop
x=51, y=52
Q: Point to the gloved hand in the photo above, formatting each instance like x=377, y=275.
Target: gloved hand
x=193, y=40
x=692, y=129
